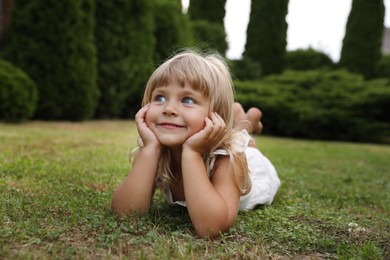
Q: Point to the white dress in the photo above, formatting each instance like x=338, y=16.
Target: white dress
x=264, y=178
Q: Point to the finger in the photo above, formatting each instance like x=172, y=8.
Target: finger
x=207, y=130
x=142, y=112
x=220, y=119
x=216, y=128
x=219, y=123
x=208, y=122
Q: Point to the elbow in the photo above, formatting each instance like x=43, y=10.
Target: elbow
x=208, y=234
x=130, y=210
x=213, y=230
x=117, y=211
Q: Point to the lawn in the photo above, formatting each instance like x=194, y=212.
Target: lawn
x=56, y=181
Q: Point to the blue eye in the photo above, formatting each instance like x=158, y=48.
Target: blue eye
x=188, y=100
x=160, y=98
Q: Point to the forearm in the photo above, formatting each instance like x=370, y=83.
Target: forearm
x=207, y=209
x=134, y=194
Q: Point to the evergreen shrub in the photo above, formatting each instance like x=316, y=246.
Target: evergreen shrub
x=172, y=29
x=320, y=104
x=124, y=41
x=361, y=47
x=307, y=59
x=140, y=47
x=53, y=42
x=208, y=35
x=208, y=24
x=245, y=69
x=266, y=38
x=18, y=94
x=382, y=68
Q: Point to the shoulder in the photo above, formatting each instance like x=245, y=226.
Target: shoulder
x=229, y=170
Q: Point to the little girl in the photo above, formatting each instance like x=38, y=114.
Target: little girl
x=189, y=149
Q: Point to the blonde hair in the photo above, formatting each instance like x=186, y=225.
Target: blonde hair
x=209, y=74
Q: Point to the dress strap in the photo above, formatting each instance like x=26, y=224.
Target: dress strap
x=239, y=143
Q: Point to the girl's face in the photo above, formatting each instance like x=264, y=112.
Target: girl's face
x=176, y=113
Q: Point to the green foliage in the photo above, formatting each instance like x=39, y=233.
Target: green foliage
x=266, y=35
x=245, y=69
x=382, y=68
x=172, y=29
x=307, y=59
x=208, y=24
x=125, y=50
x=329, y=105
x=362, y=42
x=18, y=94
x=141, y=48
x=209, y=36
x=52, y=41
x=57, y=179
x=211, y=11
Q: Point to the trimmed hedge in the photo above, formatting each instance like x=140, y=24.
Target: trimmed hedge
x=307, y=59
x=245, y=69
x=326, y=105
x=18, y=94
x=382, y=68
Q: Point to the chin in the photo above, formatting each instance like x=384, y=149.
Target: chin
x=170, y=143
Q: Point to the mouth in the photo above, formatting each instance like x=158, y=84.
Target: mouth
x=170, y=125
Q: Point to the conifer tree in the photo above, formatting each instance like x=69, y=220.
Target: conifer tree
x=125, y=44
x=208, y=25
x=362, y=42
x=266, y=34
x=52, y=41
x=172, y=29
x=211, y=11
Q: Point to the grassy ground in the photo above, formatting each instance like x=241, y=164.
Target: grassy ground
x=56, y=181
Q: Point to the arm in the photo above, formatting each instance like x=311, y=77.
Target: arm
x=212, y=205
x=135, y=193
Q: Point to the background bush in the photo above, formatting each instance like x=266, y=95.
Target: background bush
x=207, y=19
x=320, y=104
x=266, y=35
x=52, y=41
x=209, y=35
x=18, y=94
x=361, y=47
x=125, y=47
x=307, y=59
x=172, y=29
x=245, y=69
x=382, y=68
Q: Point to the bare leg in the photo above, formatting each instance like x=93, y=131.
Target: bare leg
x=249, y=121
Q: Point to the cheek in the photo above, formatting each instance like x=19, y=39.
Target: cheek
x=149, y=118
x=199, y=123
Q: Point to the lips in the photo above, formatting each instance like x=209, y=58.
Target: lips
x=170, y=125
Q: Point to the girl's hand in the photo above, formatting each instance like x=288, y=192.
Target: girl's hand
x=146, y=134
x=209, y=136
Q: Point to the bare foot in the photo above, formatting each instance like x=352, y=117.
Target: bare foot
x=249, y=121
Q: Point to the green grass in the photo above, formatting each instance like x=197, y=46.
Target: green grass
x=56, y=181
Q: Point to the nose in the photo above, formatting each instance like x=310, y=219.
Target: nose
x=170, y=109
